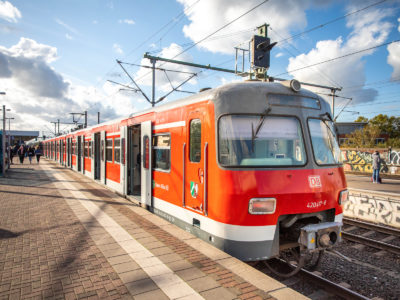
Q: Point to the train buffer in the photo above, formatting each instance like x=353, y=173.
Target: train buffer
x=64, y=236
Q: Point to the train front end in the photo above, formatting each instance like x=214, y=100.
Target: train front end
x=280, y=165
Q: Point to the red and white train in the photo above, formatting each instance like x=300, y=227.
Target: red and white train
x=253, y=168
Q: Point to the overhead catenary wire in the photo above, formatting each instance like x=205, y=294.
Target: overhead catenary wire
x=338, y=57
x=322, y=73
x=330, y=22
x=182, y=13
x=211, y=34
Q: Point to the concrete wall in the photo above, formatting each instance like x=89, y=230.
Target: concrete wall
x=376, y=207
x=360, y=160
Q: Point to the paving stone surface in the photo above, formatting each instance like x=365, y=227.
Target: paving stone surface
x=45, y=251
x=63, y=236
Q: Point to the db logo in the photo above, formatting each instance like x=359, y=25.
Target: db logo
x=314, y=181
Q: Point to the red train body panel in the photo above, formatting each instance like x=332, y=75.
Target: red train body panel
x=236, y=165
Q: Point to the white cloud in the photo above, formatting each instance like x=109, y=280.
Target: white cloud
x=368, y=30
x=127, y=21
x=9, y=12
x=143, y=76
x=30, y=49
x=221, y=12
x=117, y=48
x=66, y=26
x=68, y=37
x=37, y=94
x=279, y=54
x=394, y=57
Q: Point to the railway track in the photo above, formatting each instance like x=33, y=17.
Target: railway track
x=330, y=286
x=326, y=287
x=372, y=242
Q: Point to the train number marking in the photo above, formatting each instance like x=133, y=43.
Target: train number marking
x=314, y=181
x=316, y=204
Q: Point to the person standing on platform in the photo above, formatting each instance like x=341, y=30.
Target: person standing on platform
x=21, y=154
x=38, y=153
x=376, y=166
x=31, y=153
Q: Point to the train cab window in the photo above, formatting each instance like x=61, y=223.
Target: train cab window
x=117, y=151
x=162, y=152
x=324, y=143
x=259, y=141
x=90, y=149
x=109, y=150
x=195, y=141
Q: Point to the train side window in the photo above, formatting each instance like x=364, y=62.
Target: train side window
x=117, y=151
x=90, y=148
x=195, y=140
x=109, y=150
x=85, y=149
x=162, y=152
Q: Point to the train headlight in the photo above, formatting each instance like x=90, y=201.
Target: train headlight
x=262, y=206
x=343, y=197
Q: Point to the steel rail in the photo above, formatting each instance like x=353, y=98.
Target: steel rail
x=331, y=287
x=375, y=227
x=371, y=243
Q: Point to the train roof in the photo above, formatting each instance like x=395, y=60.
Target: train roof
x=233, y=90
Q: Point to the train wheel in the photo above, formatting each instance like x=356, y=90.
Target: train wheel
x=290, y=263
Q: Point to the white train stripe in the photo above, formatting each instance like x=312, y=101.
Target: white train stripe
x=169, y=125
x=222, y=230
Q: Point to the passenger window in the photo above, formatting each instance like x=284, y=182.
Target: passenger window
x=162, y=152
x=117, y=151
x=195, y=140
x=85, y=149
x=109, y=150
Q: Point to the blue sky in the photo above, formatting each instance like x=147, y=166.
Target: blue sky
x=56, y=57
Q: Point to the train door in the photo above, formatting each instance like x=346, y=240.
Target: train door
x=61, y=152
x=123, y=168
x=69, y=152
x=83, y=145
x=103, y=157
x=146, y=164
x=79, y=154
x=97, y=155
x=195, y=162
x=133, y=177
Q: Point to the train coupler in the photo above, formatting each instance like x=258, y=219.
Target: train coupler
x=320, y=236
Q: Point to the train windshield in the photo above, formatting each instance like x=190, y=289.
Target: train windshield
x=260, y=141
x=323, y=138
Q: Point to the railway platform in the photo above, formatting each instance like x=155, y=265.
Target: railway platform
x=63, y=236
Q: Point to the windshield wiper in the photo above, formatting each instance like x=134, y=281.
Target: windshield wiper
x=259, y=125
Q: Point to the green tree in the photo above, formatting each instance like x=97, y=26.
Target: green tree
x=389, y=125
x=361, y=119
x=364, y=137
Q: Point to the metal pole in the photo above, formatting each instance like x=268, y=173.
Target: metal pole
x=3, y=141
x=333, y=104
x=153, y=90
x=98, y=117
x=85, y=119
x=58, y=129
